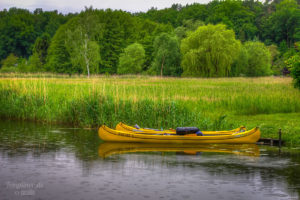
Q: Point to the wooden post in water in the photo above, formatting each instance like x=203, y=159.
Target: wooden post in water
x=279, y=137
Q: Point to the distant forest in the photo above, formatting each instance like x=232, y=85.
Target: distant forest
x=218, y=39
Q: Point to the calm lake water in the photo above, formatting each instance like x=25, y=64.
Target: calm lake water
x=55, y=162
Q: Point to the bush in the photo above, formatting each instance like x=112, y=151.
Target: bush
x=9, y=64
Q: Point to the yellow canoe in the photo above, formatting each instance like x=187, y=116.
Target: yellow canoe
x=107, y=134
x=123, y=127
x=110, y=148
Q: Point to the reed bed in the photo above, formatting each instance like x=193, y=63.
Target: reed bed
x=210, y=104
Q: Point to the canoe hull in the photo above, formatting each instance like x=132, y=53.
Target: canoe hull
x=111, y=135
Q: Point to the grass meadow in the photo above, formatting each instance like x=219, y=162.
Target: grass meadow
x=210, y=104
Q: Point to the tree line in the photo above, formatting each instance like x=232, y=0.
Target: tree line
x=221, y=38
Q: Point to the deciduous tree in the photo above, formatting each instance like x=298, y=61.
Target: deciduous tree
x=259, y=59
x=132, y=60
x=254, y=60
x=284, y=23
x=166, y=56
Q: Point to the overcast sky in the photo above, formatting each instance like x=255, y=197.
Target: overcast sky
x=66, y=6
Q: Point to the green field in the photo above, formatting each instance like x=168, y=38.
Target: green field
x=210, y=104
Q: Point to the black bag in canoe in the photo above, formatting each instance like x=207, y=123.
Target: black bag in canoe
x=187, y=130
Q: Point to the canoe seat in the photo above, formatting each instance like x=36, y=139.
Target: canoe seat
x=137, y=126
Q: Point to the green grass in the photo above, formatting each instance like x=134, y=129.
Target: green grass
x=210, y=104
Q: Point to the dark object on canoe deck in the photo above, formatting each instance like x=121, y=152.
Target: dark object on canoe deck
x=186, y=130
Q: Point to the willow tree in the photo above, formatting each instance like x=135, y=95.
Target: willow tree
x=209, y=51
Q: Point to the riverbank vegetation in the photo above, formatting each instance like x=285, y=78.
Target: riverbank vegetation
x=217, y=39
x=210, y=104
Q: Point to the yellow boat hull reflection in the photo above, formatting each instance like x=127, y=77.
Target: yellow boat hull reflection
x=107, y=149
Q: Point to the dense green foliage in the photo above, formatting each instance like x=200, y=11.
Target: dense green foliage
x=275, y=23
x=94, y=41
x=166, y=56
x=258, y=59
x=296, y=73
x=10, y=63
x=132, y=60
x=109, y=31
x=254, y=60
x=209, y=51
x=19, y=29
x=284, y=23
x=272, y=21
x=294, y=64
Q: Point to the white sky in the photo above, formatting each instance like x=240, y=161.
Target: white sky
x=66, y=6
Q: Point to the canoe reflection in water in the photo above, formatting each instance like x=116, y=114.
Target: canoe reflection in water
x=107, y=149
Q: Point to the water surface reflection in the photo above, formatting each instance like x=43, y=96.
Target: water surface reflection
x=107, y=149
x=51, y=162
